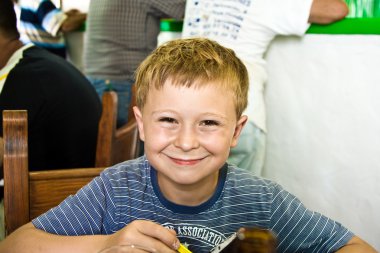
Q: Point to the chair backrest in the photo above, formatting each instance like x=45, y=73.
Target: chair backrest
x=114, y=144
x=15, y=169
x=28, y=194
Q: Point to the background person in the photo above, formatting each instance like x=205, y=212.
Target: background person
x=119, y=35
x=43, y=24
x=248, y=27
x=63, y=107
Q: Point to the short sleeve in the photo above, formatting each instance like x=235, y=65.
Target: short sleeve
x=299, y=229
x=85, y=213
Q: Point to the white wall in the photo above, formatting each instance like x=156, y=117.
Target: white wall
x=323, y=112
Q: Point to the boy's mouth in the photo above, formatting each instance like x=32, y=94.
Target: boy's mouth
x=186, y=162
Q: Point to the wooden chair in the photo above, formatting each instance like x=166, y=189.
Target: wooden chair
x=28, y=194
x=114, y=144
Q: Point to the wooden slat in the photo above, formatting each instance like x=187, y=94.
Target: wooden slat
x=114, y=144
x=49, y=188
x=15, y=165
x=107, y=130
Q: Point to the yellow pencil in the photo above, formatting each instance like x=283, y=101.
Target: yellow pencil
x=183, y=249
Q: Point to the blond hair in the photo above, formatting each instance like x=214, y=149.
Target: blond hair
x=193, y=62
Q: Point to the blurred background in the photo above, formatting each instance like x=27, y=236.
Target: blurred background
x=323, y=109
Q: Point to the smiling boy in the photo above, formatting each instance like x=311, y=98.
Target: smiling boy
x=190, y=96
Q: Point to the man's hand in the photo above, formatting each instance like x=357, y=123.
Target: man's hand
x=327, y=11
x=74, y=21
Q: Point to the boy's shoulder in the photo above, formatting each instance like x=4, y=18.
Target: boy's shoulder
x=241, y=174
x=243, y=180
x=132, y=170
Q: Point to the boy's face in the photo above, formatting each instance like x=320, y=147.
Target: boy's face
x=188, y=132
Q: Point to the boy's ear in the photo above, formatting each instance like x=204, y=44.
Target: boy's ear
x=139, y=120
x=238, y=128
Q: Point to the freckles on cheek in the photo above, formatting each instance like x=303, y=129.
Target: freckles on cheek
x=158, y=135
x=215, y=145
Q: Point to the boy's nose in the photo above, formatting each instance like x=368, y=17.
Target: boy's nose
x=187, y=139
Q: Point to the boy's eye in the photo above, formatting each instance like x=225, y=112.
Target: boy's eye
x=209, y=123
x=167, y=119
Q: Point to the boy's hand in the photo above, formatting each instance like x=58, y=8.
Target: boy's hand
x=357, y=245
x=147, y=234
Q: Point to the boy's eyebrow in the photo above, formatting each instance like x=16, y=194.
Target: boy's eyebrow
x=175, y=112
x=207, y=114
x=215, y=115
x=163, y=111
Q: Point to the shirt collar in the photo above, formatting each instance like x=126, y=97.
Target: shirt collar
x=15, y=58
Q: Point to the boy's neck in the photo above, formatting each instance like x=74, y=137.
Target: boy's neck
x=188, y=195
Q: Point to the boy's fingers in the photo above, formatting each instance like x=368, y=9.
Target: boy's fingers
x=164, y=237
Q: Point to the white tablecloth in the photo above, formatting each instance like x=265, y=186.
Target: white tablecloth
x=323, y=108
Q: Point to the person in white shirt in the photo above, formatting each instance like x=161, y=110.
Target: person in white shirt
x=248, y=27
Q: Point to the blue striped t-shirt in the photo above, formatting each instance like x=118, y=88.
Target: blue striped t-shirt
x=129, y=191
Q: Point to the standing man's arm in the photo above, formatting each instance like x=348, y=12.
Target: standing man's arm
x=327, y=11
x=74, y=21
